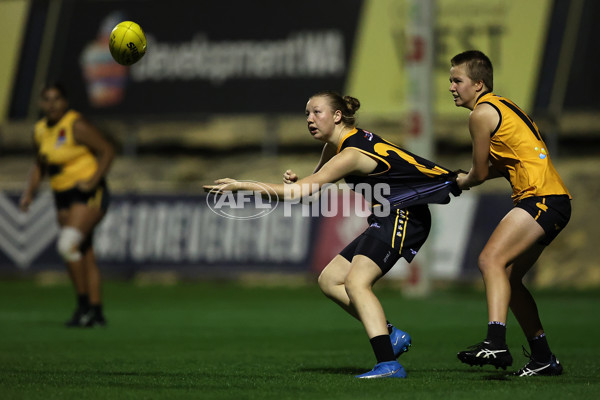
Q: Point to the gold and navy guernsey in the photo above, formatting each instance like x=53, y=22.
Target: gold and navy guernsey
x=412, y=179
x=66, y=161
x=413, y=182
x=518, y=152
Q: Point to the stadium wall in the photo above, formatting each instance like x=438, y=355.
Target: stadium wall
x=224, y=60
x=185, y=235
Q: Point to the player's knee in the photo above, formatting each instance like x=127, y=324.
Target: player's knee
x=354, y=286
x=326, y=282
x=352, y=290
x=485, y=260
x=68, y=243
x=490, y=262
x=323, y=282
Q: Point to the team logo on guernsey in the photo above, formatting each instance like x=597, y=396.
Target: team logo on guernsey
x=542, y=151
x=368, y=136
x=61, y=139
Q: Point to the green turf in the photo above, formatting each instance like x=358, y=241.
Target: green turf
x=226, y=341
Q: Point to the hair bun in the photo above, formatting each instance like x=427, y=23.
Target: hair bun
x=352, y=104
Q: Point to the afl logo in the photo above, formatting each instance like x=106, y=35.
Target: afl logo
x=242, y=204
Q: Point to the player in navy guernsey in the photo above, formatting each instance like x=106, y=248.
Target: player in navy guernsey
x=398, y=226
x=412, y=179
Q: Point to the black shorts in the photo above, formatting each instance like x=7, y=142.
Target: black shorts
x=401, y=234
x=551, y=212
x=98, y=198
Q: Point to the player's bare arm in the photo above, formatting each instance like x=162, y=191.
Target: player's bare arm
x=328, y=152
x=482, y=123
x=35, y=177
x=36, y=174
x=347, y=162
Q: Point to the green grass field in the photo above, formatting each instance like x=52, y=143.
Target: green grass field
x=228, y=341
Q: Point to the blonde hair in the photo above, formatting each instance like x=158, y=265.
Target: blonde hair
x=348, y=105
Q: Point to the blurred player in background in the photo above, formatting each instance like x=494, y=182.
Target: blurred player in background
x=361, y=157
x=506, y=142
x=76, y=157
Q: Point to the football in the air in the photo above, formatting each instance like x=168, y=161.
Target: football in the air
x=127, y=43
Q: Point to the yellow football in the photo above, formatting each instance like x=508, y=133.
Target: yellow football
x=127, y=43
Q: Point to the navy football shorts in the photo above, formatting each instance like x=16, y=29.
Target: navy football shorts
x=98, y=198
x=401, y=234
x=551, y=212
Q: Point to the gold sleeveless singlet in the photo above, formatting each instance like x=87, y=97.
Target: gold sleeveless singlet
x=67, y=162
x=519, y=153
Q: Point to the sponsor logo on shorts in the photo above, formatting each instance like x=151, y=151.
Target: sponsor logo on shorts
x=387, y=256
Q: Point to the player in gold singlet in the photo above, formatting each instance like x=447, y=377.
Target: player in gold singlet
x=506, y=142
x=76, y=157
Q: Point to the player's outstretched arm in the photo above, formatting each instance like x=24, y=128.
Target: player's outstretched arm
x=345, y=163
x=329, y=151
x=327, y=154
